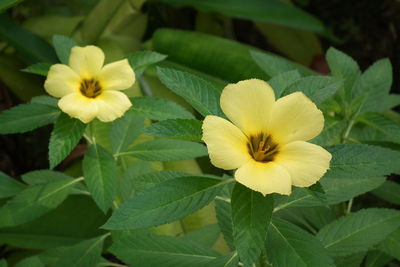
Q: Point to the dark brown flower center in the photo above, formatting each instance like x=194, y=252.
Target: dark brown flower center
x=90, y=88
x=262, y=148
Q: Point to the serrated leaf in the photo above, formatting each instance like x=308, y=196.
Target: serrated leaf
x=65, y=136
x=142, y=59
x=388, y=191
x=228, y=260
x=27, y=117
x=100, y=172
x=391, y=244
x=358, y=231
x=38, y=68
x=387, y=127
x=166, y=202
x=43, y=177
x=176, y=129
x=147, y=180
x=282, y=80
x=35, y=201
x=158, y=109
x=166, y=150
x=9, y=186
x=289, y=245
x=223, y=212
x=124, y=131
x=199, y=93
x=62, y=45
x=145, y=249
x=251, y=214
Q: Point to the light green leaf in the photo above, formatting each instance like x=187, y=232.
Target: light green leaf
x=166, y=202
x=27, y=117
x=387, y=127
x=176, y=129
x=5, y=4
x=142, y=59
x=281, y=81
x=289, y=245
x=9, y=186
x=65, y=136
x=228, y=260
x=358, y=231
x=100, y=172
x=62, y=45
x=199, y=93
x=38, y=68
x=158, y=109
x=251, y=214
x=145, y=249
x=124, y=131
x=388, y=191
x=391, y=244
x=166, y=150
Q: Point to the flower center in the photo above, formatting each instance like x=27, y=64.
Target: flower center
x=90, y=88
x=262, y=148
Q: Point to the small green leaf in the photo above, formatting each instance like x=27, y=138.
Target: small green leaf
x=45, y=100
x=166, y=202
x=65, y=136
x=391, y=244
x=199, y=93
x=387, y=127
x=27, y=117
x=158, y=109
x=223, y=212
x=38, y=177
x=62, y=45
x=388, y=191
x=318, y=192
x=128, y=186
x=281, y=81
x=100, y=172
x=166, y=150
x=124, y=131
x=38, y=68
x=176, y=129
x=251, y=214
x=358, y=231
x=147, y=180
x=9, y=186
x=142, y=59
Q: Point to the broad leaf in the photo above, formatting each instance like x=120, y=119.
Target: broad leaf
x=63, y=45
x=9, y=186
x=166, y=202
x=142, y=59
x=38, y=68
x=176, y=129
x=124, y=131
x=100, y=172
x=251, y=214
x=281, y=81
x=158, y=109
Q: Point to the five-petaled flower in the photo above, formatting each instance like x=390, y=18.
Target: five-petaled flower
x=87, y=88
x=266, y=140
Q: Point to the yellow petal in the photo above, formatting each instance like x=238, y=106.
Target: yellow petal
x=248, y=104
x=78, y=106
x=61, y=80
x=86, y=61
x=112, y=105
x=117, y=75
x=266, y=178
x=226, y=144
x=294, y=117
x=305, y=162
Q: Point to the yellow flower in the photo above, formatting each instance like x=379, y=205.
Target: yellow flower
x=87, y=88
x=266, y=139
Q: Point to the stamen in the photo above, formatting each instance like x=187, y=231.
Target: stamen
x=90, y=88
x=262, y=148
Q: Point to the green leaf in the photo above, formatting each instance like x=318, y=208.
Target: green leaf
x=353, y=260
x=38, y=177
x=391, y=244
x=5, y=4
x=388, y=191
x=206, y=236
x=387, y=127
x=65, y=136
x=223, y=212
x=158, y=109
x=344, y=67
x=317, y=88
x=228, y=260
x=176, y=129
x=199, y=93
x=142, y=59
x=33, y=261
x=100, y=172
x=9, y=186
x=272, y=11
x=35, y=201
x=331, y=133
x=166, y=150
x=358, y=231
x=281, y=81
x=45, y=100
x=38, y=68
x=376, y=258
x=3, y=263
x=62, y=45
x=128, y=186
x=147, y=180
x=85, y=253
x=289, y=245
x=251, y=214
x=166, y=202
x=75, y=220
x=27, y=117
x=317, y=191
x=145, y=249
x=124, y=131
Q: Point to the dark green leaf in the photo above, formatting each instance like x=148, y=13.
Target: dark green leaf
x=5, y=4
x=128, y=186
x=388, y=191
x=45, y=100
x=391, y=244
x=387, y=127
x=223, y=212
x=281, y=81
x=33, y=261
x=206, y=236
x=353, y=260
x=124, y=131
x=376, y=258
x=228, y=260
x=38, y=68
x=147, y=180
x=43, y=177
x=142, y=59
x=176, y=129
x=9, y=186
x=62, y=45
x=3, y=263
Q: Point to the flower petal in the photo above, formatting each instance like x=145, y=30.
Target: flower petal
x=305, y=162
x=117, y=75
x=266, y=178
x=78, y=106
x=248, y=104
x=61, y=80
x=294, y=117
x=86, y=61
x=112, y=105
x=226, y=144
